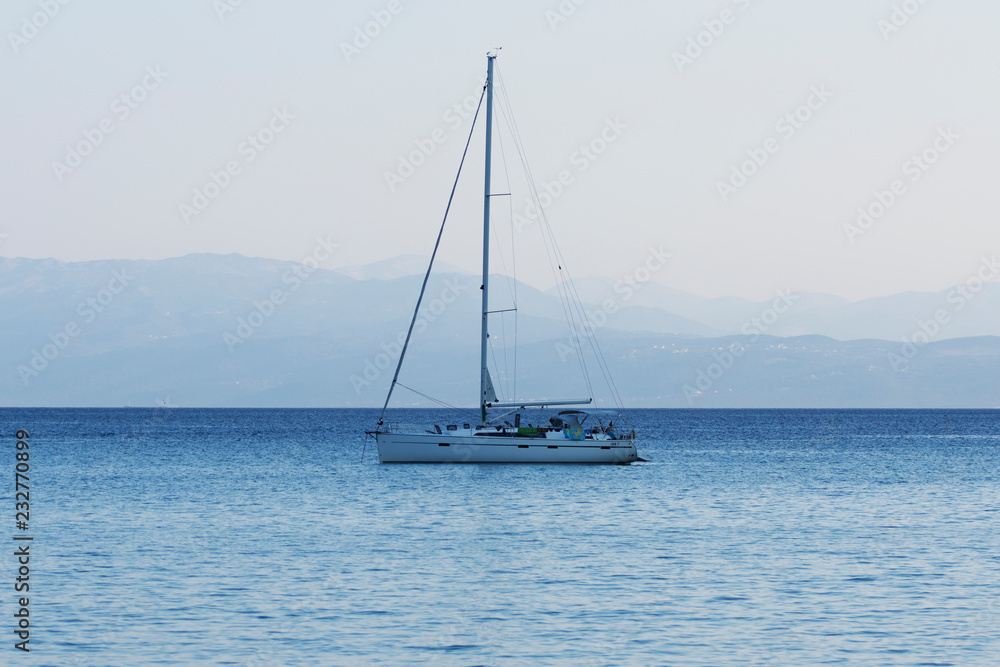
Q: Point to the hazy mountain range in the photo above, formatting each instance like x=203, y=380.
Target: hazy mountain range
x=228, y=330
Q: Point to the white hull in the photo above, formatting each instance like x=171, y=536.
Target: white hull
x=452, y=448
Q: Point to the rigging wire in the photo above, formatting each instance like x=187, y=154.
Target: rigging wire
x=429, y=398
x=506, y=369
x=430, y=265
x=510, y=379
x=551, y=247
x=573, y=303
x=512, y=284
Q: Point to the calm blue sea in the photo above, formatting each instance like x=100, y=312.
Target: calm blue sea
x=258, y=537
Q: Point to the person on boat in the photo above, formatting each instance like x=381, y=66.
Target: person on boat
x=611, y=429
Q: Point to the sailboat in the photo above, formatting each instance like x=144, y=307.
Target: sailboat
x=569, y=436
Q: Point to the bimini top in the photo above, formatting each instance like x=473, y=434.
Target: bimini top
x=572, y=419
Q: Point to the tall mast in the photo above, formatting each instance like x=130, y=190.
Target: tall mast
x=484, y=374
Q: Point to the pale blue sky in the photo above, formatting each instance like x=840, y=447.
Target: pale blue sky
x=656, y=185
